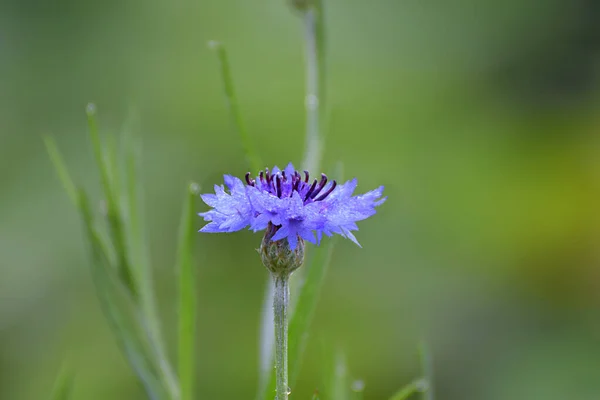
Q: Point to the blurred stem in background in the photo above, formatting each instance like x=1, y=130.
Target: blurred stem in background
x=314, y=39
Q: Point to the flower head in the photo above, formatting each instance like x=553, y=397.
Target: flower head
x=295, y=207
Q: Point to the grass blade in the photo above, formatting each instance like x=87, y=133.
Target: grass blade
x=137, y=254
x=187, y=296
x=108, y=292
x=61, y=169
x=63, y=385
x=113, y=213
x=427, y=365
x=232, y=104
x=416, y=386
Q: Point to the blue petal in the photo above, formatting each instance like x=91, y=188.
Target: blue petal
x=281, y=233
x=289, y=170
x=209, y=199
x=293, y=241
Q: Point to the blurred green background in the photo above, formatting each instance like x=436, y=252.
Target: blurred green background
x=480, y=118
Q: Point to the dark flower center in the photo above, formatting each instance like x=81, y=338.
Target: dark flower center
x=282, y=185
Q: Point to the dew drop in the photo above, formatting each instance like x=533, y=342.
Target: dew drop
x=358, y=385
x=194, y=188
x=422, y=385
x=312, y=102
x=213, y=44
x=90, y=109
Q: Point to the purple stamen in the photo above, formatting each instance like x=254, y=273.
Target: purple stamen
x=310, y=190
x=321, y=186
x=328, y=192
x=306, y=176
x=248, y=180
x=278, y=188
x=268, y=176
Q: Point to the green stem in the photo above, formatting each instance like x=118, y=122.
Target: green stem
x=312, y=154
x=281, y=301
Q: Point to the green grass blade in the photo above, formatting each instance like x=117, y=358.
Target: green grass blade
x=113, y=212
x=187, y=296
x=108, y=293
x=138, y=256
x=61, y=169
x=427, y=365
x=232, y=104
x=63, y=385
x=416, y=386
x=134, y=207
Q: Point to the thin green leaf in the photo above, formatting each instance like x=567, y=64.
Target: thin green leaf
x=61, y=169
x=137, y=254
x=134, y=209
x=113, y=213
x=416, y=386
x=427, y=366
x=63, y=385
x=249, y=149
x=108, y=293
x=187, y=296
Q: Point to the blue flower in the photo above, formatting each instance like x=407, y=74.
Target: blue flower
x=289, y=203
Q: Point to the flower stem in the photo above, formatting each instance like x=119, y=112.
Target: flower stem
x=312, y=153
x=281, y=301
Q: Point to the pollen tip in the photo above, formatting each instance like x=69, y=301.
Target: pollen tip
x=248, y=180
